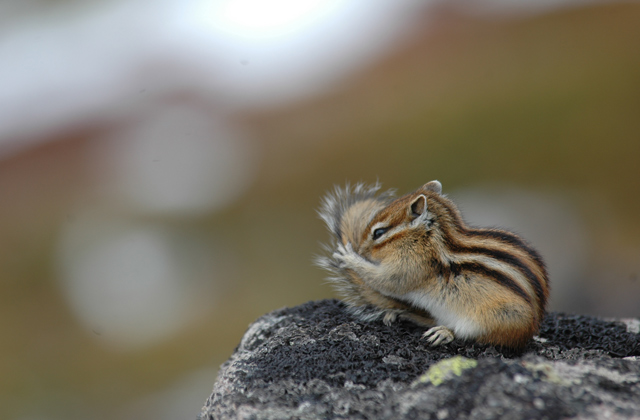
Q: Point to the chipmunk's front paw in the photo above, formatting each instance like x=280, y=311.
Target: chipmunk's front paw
x=439, y=335
x=346, y=256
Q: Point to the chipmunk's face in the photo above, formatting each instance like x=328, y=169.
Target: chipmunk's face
x=397, y=229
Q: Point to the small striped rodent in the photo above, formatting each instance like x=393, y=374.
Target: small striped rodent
x=415, y=257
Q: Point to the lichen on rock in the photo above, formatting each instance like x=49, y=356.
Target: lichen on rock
x=447, y=369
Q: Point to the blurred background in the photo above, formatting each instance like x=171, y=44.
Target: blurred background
x=161, y=163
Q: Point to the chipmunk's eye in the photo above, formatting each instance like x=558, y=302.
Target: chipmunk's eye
x=379, y=232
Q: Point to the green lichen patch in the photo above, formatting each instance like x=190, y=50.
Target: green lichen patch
x=446, y=369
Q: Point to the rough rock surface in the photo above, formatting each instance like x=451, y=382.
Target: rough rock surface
x=316, y=361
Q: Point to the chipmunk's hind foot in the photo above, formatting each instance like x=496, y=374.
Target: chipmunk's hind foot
x=438, y=336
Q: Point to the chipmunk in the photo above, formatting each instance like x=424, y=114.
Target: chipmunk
x=414, y=257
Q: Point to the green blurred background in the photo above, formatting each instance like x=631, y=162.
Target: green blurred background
x=148, y=214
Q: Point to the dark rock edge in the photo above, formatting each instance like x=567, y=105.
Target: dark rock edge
x=317, y=361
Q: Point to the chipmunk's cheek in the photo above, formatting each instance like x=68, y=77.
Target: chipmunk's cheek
x=376, y=255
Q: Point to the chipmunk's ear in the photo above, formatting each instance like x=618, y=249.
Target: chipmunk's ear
x=418, y=206
x=434, y=186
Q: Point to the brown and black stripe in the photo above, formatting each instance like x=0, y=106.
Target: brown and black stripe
x=495, y=254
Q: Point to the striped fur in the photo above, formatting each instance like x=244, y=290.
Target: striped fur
x=416, y=258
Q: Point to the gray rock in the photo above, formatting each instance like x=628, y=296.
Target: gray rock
x=316, y=361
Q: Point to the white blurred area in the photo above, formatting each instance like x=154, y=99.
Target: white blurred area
x=131, y=284
x=178, y=160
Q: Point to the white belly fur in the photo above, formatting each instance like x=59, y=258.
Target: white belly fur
x=463, y=327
